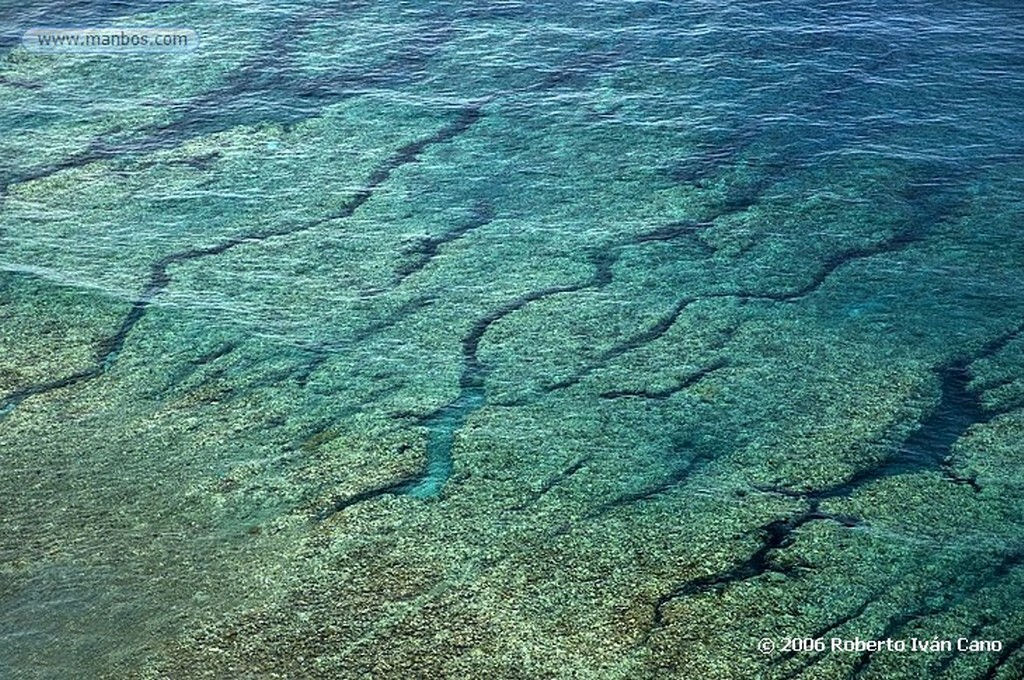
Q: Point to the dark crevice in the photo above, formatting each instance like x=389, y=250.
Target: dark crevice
x=723, y=148
x=864, y=660
x=443, y=424
x=109, y=348
x=316, y=358
x=214, y=354
x=554, y=481
x=930, y=446
x=927, y=449
x=842, y=620
x=999, y=343
x=474, y=372
x=930, y=204
x=685, y=383
x=576, y=74
x=410, y=153
x=212, y=368
x=676, y=479
x=776, y=535
x=12, y=400
x=340, y=504
x=674, y=231
x=646, y=336
x=952, y=592
x=651, y=334
x=709, y=159
x=827, y=268
x=71, y=162
x=427, y=249
x=603, y=260
x=472, y=395
x=203, y=162
x=562, y=476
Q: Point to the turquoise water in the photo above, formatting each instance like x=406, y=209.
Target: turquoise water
x=521, y=340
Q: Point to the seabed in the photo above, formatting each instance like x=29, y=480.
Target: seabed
x=443, y=341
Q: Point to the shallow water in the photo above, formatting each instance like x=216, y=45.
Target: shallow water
x=549, y=339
